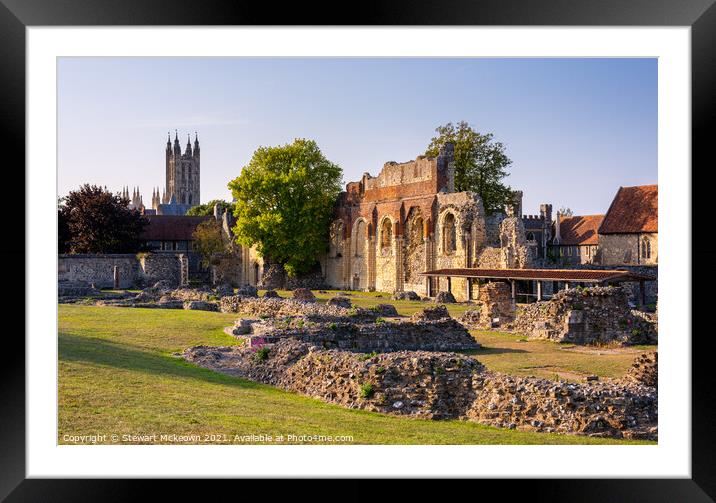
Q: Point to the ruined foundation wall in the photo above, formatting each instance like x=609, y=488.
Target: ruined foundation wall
x=596, y=315
x=441, y=385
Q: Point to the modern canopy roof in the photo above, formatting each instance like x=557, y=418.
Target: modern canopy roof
x=575, y=275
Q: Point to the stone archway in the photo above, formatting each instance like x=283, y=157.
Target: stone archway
x=415, y=250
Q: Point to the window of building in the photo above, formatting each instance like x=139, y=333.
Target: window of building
x=386, y=236
x=530, y=236
x=645, y=248
x=449, y=234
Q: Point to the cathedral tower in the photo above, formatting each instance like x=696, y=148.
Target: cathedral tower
x=182, y=172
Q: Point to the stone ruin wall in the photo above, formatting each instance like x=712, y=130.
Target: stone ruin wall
x=441, y=385
x=598, y=315
x=428, y=226
x=493, y=300
x=134, y=270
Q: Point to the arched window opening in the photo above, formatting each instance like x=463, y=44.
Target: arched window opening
x=645, y=248
x=360, y=238
x=386, y=236
x=449, y=234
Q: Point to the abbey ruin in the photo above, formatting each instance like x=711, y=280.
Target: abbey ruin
x=391, y=228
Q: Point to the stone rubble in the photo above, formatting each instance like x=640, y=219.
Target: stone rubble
x=409, y=295
x=431, y=314
x=303, y=295
x=644, y=370
x=340, y=301
x=445, y=298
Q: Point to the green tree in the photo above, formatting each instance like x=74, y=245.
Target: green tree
x=480, y=163
x=284, y=201
x=208, y=240
x=93, y=220
x=207, y=209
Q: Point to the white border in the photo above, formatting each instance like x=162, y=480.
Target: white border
x=670, y=458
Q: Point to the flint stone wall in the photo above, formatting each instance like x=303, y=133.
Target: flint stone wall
x=134, y=270
x=651, y=288
x=598, y=315
x=434, y=335
x=441, y=385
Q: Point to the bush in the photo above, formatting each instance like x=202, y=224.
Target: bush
x=368, y=356
x=262, y=354
x=366, y=390
x=380, y=370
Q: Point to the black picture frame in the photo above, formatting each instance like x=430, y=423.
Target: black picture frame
x=700, y=15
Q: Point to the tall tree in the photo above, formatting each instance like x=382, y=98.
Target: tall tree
x=97, y=221
x=480, y=163
x=284, y=200
x=208, y=240
x=207, y=209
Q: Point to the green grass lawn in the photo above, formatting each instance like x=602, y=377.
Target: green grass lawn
x=118, y=375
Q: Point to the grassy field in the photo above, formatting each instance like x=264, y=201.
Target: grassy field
x=118, y=376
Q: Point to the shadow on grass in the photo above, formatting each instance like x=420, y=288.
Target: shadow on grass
x=486, y=350
x=122, y=356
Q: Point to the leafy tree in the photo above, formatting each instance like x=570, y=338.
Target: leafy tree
x=93, y=220
x=208, y=240
x=284, y=201
x=63, y=229
x=207, y=209
x=480, y=163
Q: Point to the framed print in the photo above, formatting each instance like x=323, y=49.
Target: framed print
x=421, y=242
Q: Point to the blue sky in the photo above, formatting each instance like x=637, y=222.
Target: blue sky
x=575, y=129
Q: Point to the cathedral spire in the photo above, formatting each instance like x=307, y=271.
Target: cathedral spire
x=177, y=148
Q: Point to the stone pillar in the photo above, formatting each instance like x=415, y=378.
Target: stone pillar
x=467, y=242
x=371, y=263
x=539, y=291
x=398, y=254
x=347, y=283
x=428, y=263
x=512, y=286
x=468, y=297
x=115, y=274
x=183, y=270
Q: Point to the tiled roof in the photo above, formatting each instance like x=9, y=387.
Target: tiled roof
x=633, y=210
x=581, y=275
x=579, y=230
x=171, y=227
